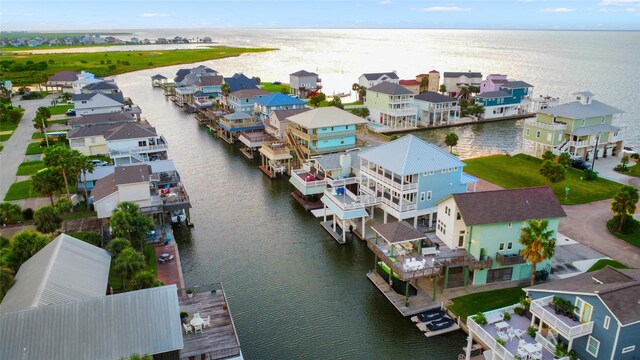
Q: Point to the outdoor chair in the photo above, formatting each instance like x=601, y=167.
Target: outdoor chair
x=196, y=315
x=536, y=356
x=523, y=354
x=519, y=333
x=207, y=322
x=187, y=329
x=198, y=328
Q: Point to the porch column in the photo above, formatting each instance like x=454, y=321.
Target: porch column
x=344, y=230
x=469, y=344
x=375, y=261
x=334, y=222
x=540, y=327
x=364, y=235
x=385, y=216
x=465, y=270
x=435, y=285
x=446, y=278
x=415, y=221
x=533, y=319
x=430, y=219
x=570, y=344
x=406, y=294
x=324, y=207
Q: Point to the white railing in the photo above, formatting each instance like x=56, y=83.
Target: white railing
x=402, y=112
x=342, y=182
x=160, y=147
x=404, y=207
x=334, y=134
x=578, y=144
x=541, y=125
x=358, y=202
x=390, y=182
x=488, y=340
x=294, y=175
x=556, y=322
x=406, y=100
x=545, y=343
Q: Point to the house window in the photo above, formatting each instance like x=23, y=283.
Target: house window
x=509, y=225
x=460, y=240
x=510, y=246
x=593, y=345
x=607, y=320
x=628, y=349
x=422, y=196
x=142, y=143
x=583, y=121
x=549, y=136
x=501, y=247
x=538, y=134
x=444, y=171
x=84, y=101
x=602, y=121
x=428, y=195
x=458, y=217
x=579, y=304
x=527, y=132
x=431, y=172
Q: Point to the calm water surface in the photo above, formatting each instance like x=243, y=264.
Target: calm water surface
x=295, y=293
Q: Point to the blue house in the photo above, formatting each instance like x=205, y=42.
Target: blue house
x=264, y=105
x=240, y=81
x=513, y=98
x=244, y=100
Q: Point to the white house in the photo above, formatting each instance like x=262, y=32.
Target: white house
x=84, y=79
x=373, y=79
x=133, y=143
x=98, y=103
x=453, y=81
x=127, y=183
x=436, y=109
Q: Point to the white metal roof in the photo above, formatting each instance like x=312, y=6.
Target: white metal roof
x=577, y=110
x=108, y=327
x=411, y=155
x=325, y=117
x=65, y=270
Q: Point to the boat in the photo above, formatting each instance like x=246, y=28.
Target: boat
x=428, y=316
x=440, y=324
x=178, y=216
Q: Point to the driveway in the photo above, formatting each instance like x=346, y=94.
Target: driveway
x=13, y=153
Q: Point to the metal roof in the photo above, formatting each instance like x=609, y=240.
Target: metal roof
x=434, y=97
x=330, y=162
x=238, y=116
x=577, y=110
x=584, y=93
x=376, y=76
x=108, y=327
x=325, y=117
x=67, y=269
x=117, y=97
x=411, y=155
x=98, y=173
x=158, y=77
x=388, y=88
x=516, y=84
x=278, y=99
x=494, y=94
x=594, y=129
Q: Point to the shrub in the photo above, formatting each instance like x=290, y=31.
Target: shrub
x=531, y=330
x=590, y=175
x=480, y=319
x=27, y=214
x=519, y=310
x=629, y=226
x=506, y=316
x=500, y=341
x=635, y=156
x=184, y=314
x=10, y=213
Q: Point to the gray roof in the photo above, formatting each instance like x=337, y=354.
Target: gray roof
x=130, y=131
x=238, y=116
x=64, y=76
x=411, y=155
x=157, y=166
x=131, y=174
x=115, y=97
x=158, y=77
x=102, y=85
x=618, y=289
x=65, y=270
x=398, y=232
x=282, y=115
x=501, y=206
x=516, y=84
x=98, y=173
x=107, y=118
x=104, y=328
x=104, y=187
x=93, y=130
x=388, y=88
x=577, y=110
x=468, y=74
x=434, y=97
x=303, y=73
x=376, y=76
x=494, y=94
x=584, y=93
x=249, y=93
x=594, y=129
x=332, y=161
x=210, y=80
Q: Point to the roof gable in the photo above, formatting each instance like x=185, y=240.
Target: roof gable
x=434, y=97
x=376, y=76
x=303, y=73
x=64, y=76
x=240, y=81
x=388, y=88
x=130, y=131
x=325, y=117
x=132, y=174
x=577, y=110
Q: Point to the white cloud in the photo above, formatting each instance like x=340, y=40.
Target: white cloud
x=557, y=10
x=384, y=2
x=154, y=15
x=444, y=9
x=618, y=2
x=616, y=9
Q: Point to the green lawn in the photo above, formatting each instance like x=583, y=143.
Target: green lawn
x=37, y=136
x=19, y=190
x=5, y=137
x=60, y=109
x=634, y=170
x=59, y=121
x=30, y=167
x=275, y=88
x=607, y=262
x=464, y=306
x=1, y=147
x=633, y=238
x=34, y=148
x=513, y=172
x=6, y=126
x=115, y=62
x=90, y=237
x=80, y=214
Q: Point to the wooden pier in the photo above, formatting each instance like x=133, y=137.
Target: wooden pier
x=417, y=304
x=337, y=235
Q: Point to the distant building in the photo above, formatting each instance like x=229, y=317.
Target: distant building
x=391, y=105
x=513, y=98
x=436, y=109
x=433, y=81
x=373, y=79
x=453, y=81
x=206, y=39
x=244, y=100
x=98, y=103
x=264, y=105
x=63, y=79
x=492, y=83
x=411, y=85
x=303, y=83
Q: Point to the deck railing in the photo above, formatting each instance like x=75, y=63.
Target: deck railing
x=541, y=125
x=295, y=175
x=343, y=181
x=538, y=308
x=398, y=267
x=500, y=351
x=394, y=184
x=509, y=259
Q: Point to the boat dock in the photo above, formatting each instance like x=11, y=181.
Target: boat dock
x=417, y=304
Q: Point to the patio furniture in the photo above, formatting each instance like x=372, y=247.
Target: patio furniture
x=519, y=333
x=502, y=335
x=523, y=353
x=164, y=257
x=207, y=322
x=530, y=348
x=502, y=325
x=187, y=329
x=198, y=328
x=196, y=315
x=536, y=356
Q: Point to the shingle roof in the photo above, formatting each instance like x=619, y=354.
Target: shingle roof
x=516, y=84
x=130, y=131
x=282, y=115
x=501, y=206
x=106, y=118
x=577, y=110
x=249, y=93
x=303, y=73
x=210, y=80
x=325, y=117
x=64, y=76
x=104, y=187
x=158, y=77
x=398, y=232
x=94, y=130
x=65, y=270
x=468, y=74
x=411, y=155
x=409, y=82
x=180, y=74
x=584, y=93
x=240, y=81
x=494, y=94
x=618, y=289
x=388, y=88
x=376, y=76
x=434, y=97
x=102, y=85
x=131, y=174
x=278, y=99
x=115, y=97
x=104, y=328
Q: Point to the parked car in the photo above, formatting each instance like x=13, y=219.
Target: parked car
x=99, y=163
x=581, y=164
x=71, y=112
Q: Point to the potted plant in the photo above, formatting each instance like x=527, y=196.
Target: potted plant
x=558, y=304
x=189, y=293
x=480, y=319
x=183, y=316
x=531, y=330
x=500, y=341
x=506, y=316
x=519, y=310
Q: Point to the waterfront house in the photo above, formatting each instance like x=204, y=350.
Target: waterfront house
x=513, y=98
x=134, y=142
x=433, y=81
x=372, y=79
x=304, y=83
x=240, y=81
x=63, y=79
x=127, y=183
x=102, y=119
x=436, y=109
x=411, y=85
x=158, y=80
x=391, y=106
x=231, y=125
x=492, y=83
x=276, y=124
x=98, y=103
x=244, y=100
x=595, y=315
x=89, y=140
x=197, y=86
x=105, y=87
x=264, y=105
x=84, y=79
x=453, y=81
x=577, y=127
x=488, y=226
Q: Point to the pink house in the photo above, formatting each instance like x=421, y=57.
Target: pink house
x=492, y=83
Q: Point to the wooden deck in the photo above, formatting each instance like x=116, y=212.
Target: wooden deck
x=219, y=341
x=417, y=304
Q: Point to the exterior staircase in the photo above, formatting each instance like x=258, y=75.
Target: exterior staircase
x=295, y=146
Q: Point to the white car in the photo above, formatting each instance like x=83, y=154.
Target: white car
x=99, y=163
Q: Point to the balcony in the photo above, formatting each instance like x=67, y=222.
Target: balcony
x=406, y=205
x=406, y=111
x=351, y=201
x=421, y=266
x=407, y=101
x=342, y=182
x=327, y=150
x=307, y=183
x=541, y=125
x=276, y=151
x=392, y=183
x=239, y=125
x=509, y=259
x=568, y=328
x=301, y=134
x=579, y=144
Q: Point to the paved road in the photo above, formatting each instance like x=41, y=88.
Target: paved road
x=13, y=153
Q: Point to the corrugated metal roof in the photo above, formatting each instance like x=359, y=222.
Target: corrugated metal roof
x=325, y=117
x=278, y=99
x=238, y=116
x=67, y=269
x=411, y=155
x=594, y=129
x=109, y=327
x=577, y=110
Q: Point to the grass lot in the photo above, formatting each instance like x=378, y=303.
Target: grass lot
x=5, y=137
x=112, y=63
x=464, y=306
x=607, y=262
x=275, y=88
x=1, y=147
x=5, y=126
x=59, y=121
x=152, y=265
x=37, y=136
x=34, y=148
x=30, y=167
x=22, y=190
x=633, y=238
x=80, y=215
x=634, y=170
x=87, y=236
x=60, y=109
x=513, y=172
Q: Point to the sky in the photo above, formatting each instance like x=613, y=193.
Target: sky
x=475, y=14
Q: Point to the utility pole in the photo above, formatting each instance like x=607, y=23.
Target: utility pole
x=595, y=153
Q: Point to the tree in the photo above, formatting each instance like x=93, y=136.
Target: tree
x=625, y=203
x=86, y=166
x=315, y=100
x=128, y=263
x=539, y=244
x=337, y=102
x=226, y=90
x=443, y=88
x=548, y=155
x=464, y=92
x=23, y=246
x=554, y=173
x=41, y=123
x=451, y=140
x=128, y=222
x=64, y=160
x=46, y=182
x=144, y=279
x=10, y=213
x=256, y=78
x=6, y=280
x=47, y=219
x=44, y=112
x=116, y=246
x=623, y=162
x=424, y=84
x=64, y=207
x=564, y=159
x=362, y=94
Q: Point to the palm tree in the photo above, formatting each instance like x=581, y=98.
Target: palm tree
x=539, y=244
x=443, y=88
x=226, y=90
x=40, y=122
x=46, y=182
x=64, y=206
x=128, y=263
x=64, y=160
x=625, y=203
x=86, y=167
x=424, y=84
